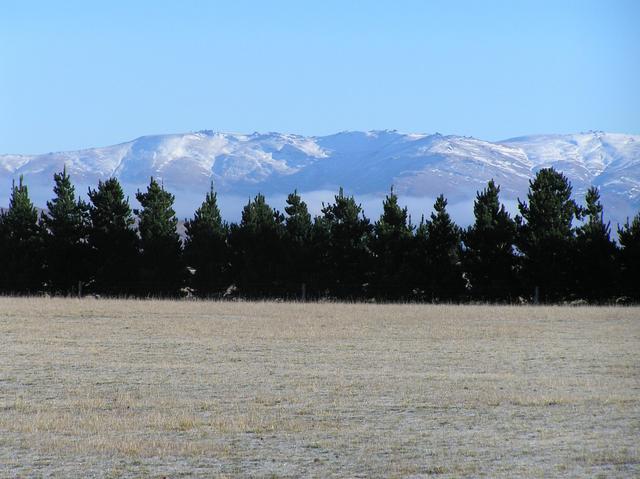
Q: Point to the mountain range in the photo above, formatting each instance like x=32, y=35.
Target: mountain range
x=367, y=164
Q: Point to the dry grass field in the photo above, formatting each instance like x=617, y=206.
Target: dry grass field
x=97, y=388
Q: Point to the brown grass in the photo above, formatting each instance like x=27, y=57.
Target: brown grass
x=97, y=388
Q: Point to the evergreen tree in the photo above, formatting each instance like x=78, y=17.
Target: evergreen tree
x=161, y=271
x=444, y=273
x=391, y=246
x=65, y=227
x=629, y=236
x=20, y=244
x=344, y=234
x=488, y=258
x=596, y=253
x=113, y=240
x=257, y=248
x=322, y=276
x=206, y=248
x=419, y=265
x=298, y=231
x=546, y=236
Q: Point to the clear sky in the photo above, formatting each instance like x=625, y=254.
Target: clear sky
x=83, y=74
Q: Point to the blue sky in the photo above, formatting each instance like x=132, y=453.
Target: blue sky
x=83, y=74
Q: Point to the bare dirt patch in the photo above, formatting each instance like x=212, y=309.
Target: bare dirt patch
x=97, y=388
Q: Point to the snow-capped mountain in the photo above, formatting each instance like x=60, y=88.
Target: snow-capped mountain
x=364, y=163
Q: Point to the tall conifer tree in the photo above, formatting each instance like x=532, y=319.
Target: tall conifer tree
x=596, y=253
x=629, y=235
x=546, y=236
x=206, y=249
x=20, y=244
x=391, y=245
x=345, y=233
x=445, y=280
x=322, y=278
x=419, y=266
x=113, y=239
x=488, y=256
x=298, y=258
x=161, y=271
x=257, y=249
x=65, y=227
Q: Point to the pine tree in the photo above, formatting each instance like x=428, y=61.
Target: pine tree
x=445, y=280
x=322, y=279
x=546, y=237
x=345, y=235
x=257, y=249
x=65, y=227
x=391, y=246
x=161, y=271
x=419, y=265
x=206, y=249
x=298, y=232
x=488, y=257
x=596, y=253
x=20, y=244
x=113, y=240
x=629, y=236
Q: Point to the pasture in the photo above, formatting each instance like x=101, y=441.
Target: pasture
x=117, y=388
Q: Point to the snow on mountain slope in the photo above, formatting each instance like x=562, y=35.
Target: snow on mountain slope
x=417, y=165
x=610, y=161
x=583, y=156
x=365, y=163
x=10, y=163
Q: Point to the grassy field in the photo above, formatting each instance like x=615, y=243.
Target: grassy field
x=97, y=388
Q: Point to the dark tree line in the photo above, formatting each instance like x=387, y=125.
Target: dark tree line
x=553, y=250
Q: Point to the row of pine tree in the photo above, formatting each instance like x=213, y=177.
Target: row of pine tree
x=554, y=250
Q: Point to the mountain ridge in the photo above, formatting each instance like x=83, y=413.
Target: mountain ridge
x=419, y=165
